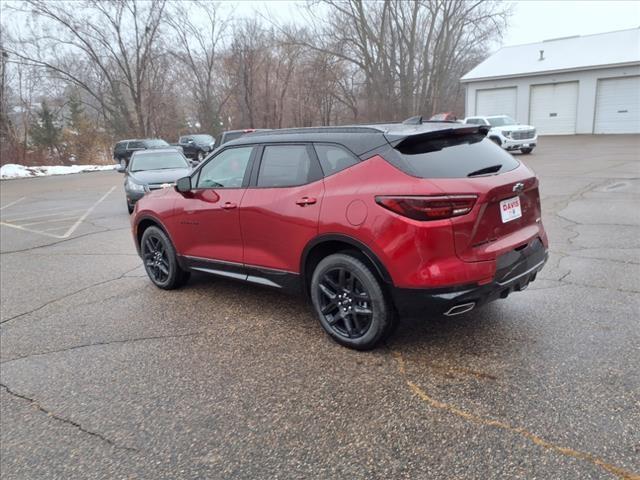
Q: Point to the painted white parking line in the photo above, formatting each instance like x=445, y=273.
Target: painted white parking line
x=20, y=218
x=45, y=232
x=12, y=203
x=64, y=218
x=81, y=219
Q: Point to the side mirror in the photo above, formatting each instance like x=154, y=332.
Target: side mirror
x=194, y=163
x=183, y=185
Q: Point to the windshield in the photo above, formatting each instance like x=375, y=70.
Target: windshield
x=501, y=121
x=157, y=143
x=158, y=161
x=203, y=138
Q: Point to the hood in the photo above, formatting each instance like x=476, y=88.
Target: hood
x=159, y=176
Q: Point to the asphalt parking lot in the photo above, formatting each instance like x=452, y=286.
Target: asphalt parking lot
x=105, y=376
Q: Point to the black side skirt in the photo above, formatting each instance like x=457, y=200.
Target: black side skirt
x=288, y=282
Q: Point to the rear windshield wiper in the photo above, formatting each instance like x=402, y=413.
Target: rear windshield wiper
x=486, y=170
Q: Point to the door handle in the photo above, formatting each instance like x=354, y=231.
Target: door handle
x=229, y=205
x=306, y=201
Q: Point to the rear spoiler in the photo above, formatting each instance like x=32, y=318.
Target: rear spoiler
x=408, y=139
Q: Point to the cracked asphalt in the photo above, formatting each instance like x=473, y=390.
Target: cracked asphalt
x=105, y=376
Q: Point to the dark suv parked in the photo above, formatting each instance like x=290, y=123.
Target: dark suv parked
x=367, y=221
x=124, y=148
x=196, y=146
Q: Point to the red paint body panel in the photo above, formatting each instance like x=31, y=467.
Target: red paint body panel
x=269, y=229
x=275, y=229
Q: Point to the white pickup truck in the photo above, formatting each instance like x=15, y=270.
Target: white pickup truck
x=507, y=133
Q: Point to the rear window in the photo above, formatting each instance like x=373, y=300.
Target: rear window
x=453, y=156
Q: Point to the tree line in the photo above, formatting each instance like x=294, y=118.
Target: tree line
x=76, y=76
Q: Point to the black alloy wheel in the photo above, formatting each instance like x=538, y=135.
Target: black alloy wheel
x=160, y=260
x=350, y=302
x=345, y=303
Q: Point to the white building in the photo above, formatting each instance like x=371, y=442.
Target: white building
x=582, y=84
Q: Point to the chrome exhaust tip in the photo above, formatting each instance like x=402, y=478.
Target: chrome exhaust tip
x=460, y=309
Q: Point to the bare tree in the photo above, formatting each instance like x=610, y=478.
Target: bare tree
x=199, y=32
x=112, y=41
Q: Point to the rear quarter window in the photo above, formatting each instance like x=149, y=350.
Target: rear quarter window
x=451, y=157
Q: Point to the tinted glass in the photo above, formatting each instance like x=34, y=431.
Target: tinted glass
x=452, y=157
x=157, y=161
x=226, y=170
x=228, y=136
x=136, y=145
x=501, y=121
x=474, y=121
x=284, y=166
x=334, y=158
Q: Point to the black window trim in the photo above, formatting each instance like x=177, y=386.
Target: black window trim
x=195, y=175
x=339, y=145
x=315, y=172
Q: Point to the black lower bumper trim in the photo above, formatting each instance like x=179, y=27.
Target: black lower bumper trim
x=516, y=271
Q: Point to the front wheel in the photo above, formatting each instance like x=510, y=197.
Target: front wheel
x=350, y=303
x=526, y=151
x=160, y=260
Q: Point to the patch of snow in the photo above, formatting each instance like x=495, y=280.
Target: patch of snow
x=12, y=170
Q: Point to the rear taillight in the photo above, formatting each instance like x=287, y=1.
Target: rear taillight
x=428, y=208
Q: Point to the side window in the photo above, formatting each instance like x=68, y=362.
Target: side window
x=473, y=121
x=284, y=166
x=334, y=159
x=135, y=145
x=225, y=170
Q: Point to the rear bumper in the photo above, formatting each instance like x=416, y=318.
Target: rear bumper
x=514, y=271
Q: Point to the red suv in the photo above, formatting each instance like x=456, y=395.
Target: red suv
x=370, y=222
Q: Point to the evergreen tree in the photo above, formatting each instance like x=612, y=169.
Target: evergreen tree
x=45, y=131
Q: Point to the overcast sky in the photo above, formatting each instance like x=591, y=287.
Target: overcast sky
x=532, y=20
x=537, y=20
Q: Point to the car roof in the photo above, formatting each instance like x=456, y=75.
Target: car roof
x=357, y=138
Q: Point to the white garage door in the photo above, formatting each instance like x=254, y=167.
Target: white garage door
x=618, y=106
x=553, y=108
x=497, y=101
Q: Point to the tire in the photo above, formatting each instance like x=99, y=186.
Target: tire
x=526, y=151
x=496, y=140
x=123, y=163
x=160, y=260
x=200, y=156
x=130, y=208
x=337, y=296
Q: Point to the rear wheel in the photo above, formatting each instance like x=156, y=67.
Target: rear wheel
x=350, y=303
x=160, y=260
x=526, y=151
